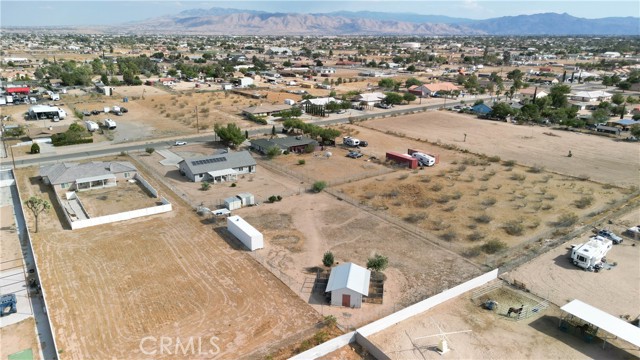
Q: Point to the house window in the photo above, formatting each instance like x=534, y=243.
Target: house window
x=64, y=185
x=126, y=175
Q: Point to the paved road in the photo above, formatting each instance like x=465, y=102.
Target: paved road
x=90, y=151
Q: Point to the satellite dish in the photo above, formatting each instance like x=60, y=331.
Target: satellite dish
x=328, y=154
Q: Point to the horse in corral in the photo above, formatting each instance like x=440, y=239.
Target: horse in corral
x=516, y=311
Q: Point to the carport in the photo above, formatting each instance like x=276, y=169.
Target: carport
x=223, y=175
x=600, y=320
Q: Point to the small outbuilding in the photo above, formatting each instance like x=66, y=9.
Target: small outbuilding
x=402, y=159
x=247, y=234
x=246, y=199
x=232, y=203
x=348, y=283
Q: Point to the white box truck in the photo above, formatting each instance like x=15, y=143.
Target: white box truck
x=109, y=124
x=590, y=254
x=246, y=233
x=424, y=159
x=55, y=97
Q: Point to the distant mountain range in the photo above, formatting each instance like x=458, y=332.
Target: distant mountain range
x=222, y=21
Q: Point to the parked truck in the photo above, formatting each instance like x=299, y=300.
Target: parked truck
x=109, y=124
x=591, y=254
x=424, y=159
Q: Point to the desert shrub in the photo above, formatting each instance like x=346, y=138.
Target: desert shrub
x=493, y=159
x=471, y=178
x=35, y=148
x=518, y=177
x=436, y=187
x=461, y=167
x=425, y=179
x=583, y=177
x=485, y=177
x=443, y=199
x=377, y=263
x=472, y=251
x=204, y=186
x=424, y=203
x=509, y=163
x=470, y=161
x=476, y=236
x=513, y=227
x=472, y=225
x=566, y=220
x=583, y=202
x=493, y=246
x=439, y=225
x=549, y=197
x=403, y=176
x=392, y=194
x=318, y=186
x=483, y=188
x=278, y=197
x=449, y=208
x=490, y=201
x=415, y=217
x=534, y=224
x=369, y=195
x=456, y=195
x=234, y=184
x=546, y=207
x=483, y=219
x=448, y=235
x=536, y=169
x=301, y=162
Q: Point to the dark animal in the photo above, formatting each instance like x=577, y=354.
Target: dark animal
x=516, y=311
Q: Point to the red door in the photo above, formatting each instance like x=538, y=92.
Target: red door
x=346, y=300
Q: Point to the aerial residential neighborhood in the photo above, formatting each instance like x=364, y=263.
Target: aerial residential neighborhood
x=286, y=183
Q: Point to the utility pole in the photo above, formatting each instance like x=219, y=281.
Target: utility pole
x=197, y=121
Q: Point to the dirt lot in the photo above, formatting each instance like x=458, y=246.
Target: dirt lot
x=124, y=197
x=615, y=291
x=162, y=276
x=600, y=158
x=493, y=336
x=19, y=337
x=10, y=251
x=467, y=200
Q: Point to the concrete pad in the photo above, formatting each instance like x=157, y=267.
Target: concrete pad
x=170, y=158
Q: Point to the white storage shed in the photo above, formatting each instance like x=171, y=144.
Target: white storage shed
x=232, y=203
x=348, y=283
x=246, y=233
x=247, y=199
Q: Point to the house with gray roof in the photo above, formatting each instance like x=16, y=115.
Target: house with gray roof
x=294, y=144
x=85, y=176
x=219, y=167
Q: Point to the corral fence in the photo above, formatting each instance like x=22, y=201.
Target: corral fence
x=481, y=295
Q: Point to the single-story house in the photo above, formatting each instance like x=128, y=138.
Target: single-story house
x=320, y=101
x=481, y=109
x=348, y=283
x=275, y=50
x=370, y=99
x=591, y=96
x=265, y=110
x=434, y=88
x=324, y=69
x=527, y=93
x=608, y=129
x=244, y=82
x=294, y=144
x=218, y=168
x=77, y=177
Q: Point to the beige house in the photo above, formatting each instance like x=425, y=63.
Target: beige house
x=86, y=176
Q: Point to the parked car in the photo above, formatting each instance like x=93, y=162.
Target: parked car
x=384, y=106
x=180, y=143
x=96, y=112
x=124, y=109
x=119, y=113
x=354, y=154
x=342, y=111
x=610, y=235
x=86, y=113
x=363, y=143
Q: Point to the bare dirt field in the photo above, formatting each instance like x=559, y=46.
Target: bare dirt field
x=467, y=200
x=298, y=230
x=493, y=336
x=554, y=277
x=599, y=158
x=169, y=275
x=112, y=200
x=19, y=337
x=10, y=251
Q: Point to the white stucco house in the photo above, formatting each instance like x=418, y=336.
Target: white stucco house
x=348, y=283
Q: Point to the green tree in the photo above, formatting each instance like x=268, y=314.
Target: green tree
x=273, y=130
x=599, y=116
x=104, y=78
x=230, y=134
x=37, y=207
x=530, y=112
x=618, y=99
x=558, y=95
x=412, y=81
x=501, y=110
x=408, y=97
x=15, y=132
x=387, y=83
x=273, y=152
x=377, y=263
x=328, y=259
x=393, y=98
x=635, y=130
x=204, y=186
x=150, y=150
x=35, y=148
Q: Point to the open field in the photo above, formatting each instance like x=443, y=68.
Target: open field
x=599, y=158
x=493, y=336
x=169, y=275
x=19, y=337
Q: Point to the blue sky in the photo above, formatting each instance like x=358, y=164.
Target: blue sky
x=96, y=12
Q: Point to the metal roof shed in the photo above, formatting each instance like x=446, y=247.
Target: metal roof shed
x=247, y=199
x=246, y=233
x=348, y=283
x=232, y=203
x=604, y=321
